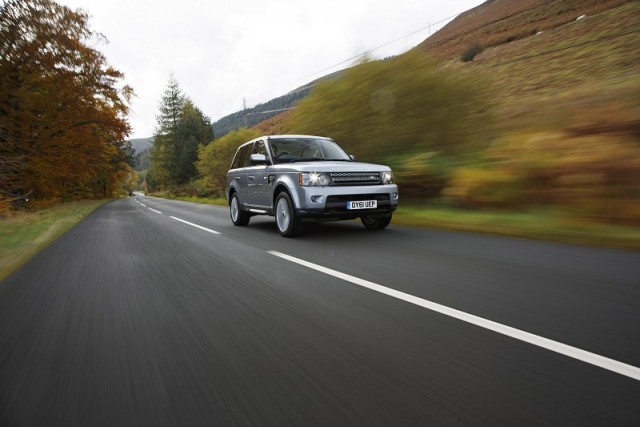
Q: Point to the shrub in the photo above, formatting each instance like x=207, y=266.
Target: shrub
x=389, y=108
x=215, y=158
x=471, y=52
x=421, y=175
x=485, y=188
x=591, y=177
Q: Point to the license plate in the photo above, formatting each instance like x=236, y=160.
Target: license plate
x=362, y=204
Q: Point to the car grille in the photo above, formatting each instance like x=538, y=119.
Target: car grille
x=355, y=178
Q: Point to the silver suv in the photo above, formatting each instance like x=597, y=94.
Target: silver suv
x=297, y=178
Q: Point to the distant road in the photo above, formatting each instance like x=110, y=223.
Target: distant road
x=162, y=313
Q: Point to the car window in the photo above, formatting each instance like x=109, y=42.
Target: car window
x=246, y=162
x=239, y=157
x=260, y=148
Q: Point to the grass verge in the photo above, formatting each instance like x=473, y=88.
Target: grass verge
x=541, y=225
x=26, y=233
x=221, y=201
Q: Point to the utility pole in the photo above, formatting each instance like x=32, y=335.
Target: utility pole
x=244, y=110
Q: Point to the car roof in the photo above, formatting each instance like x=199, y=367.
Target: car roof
x=295, y=136
x=277, y=137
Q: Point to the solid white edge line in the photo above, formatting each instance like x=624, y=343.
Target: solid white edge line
x=558, y=347
x=151, y=209
x=196, y=225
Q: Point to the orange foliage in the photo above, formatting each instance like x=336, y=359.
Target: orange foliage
x=593, y=177
x=62, y=107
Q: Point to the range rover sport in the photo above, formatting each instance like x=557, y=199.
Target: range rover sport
x=299, y=178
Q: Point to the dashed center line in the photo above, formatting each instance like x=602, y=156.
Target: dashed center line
x=151, y=209
x=558, y=347
x=208, y=230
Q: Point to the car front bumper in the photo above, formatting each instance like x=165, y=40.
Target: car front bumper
x=331, y=202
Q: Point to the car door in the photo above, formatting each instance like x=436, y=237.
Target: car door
x=238, y=172
x=257, y=178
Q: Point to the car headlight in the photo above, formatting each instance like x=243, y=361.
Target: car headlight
x=387, y=177
x=313, y=179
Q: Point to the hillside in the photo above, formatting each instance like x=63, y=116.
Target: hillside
x=497, y=22
x=538, y=59
x=268, y=113
x=141, y=144
x=580, y=74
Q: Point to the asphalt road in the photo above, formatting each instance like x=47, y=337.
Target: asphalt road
x=138, y=318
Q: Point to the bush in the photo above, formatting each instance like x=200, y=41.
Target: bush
x=389, y=108
x=421, y=175
x=214, y=160
x=595, y=178
x=485, y=188
x=471, y=52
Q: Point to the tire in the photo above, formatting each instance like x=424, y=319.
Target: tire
x=238, y=216
x=289, y=225
x=375, y=223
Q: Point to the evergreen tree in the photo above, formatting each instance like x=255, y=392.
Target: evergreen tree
x=163, y=152
x=181, y=128
x=193, y=129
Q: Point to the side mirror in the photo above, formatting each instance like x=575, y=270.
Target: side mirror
x=258, y=159
x=353, y=158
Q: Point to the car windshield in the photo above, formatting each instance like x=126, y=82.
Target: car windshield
x=288, y=150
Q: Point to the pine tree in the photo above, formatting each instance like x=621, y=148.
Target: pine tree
x=193, y=129
x=181, y=128
x=164, y=150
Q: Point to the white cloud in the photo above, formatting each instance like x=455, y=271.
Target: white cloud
x=223, y=51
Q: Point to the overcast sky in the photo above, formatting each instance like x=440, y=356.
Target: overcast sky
x=223, y=51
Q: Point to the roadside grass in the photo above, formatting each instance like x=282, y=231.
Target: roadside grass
x=536, y=224
x=220, y=201
x=26, y=233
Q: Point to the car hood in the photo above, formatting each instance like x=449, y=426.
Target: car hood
x=329, y=167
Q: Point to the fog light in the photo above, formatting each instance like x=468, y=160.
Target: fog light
x=316, y=199
x=395, y=196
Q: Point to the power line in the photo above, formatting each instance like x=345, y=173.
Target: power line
x=437, y=41
x=381, y=46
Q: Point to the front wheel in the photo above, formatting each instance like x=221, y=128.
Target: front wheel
x=238, y=216
x=288, y=223
x=375, y=223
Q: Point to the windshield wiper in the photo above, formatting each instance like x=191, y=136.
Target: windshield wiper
x=305, y=159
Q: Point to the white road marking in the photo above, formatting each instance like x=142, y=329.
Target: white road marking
x=142, y=204
x=567, y=350
x=196, y=225
x=151, y=209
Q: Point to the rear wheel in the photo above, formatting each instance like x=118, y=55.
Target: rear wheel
x=238, y=216
x=375, y=223
x=288, y=223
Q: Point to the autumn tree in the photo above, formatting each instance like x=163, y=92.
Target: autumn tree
x=181, y=128
x=62, y=107
x=214, y=159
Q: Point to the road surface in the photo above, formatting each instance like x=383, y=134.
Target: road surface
x=161, y=313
